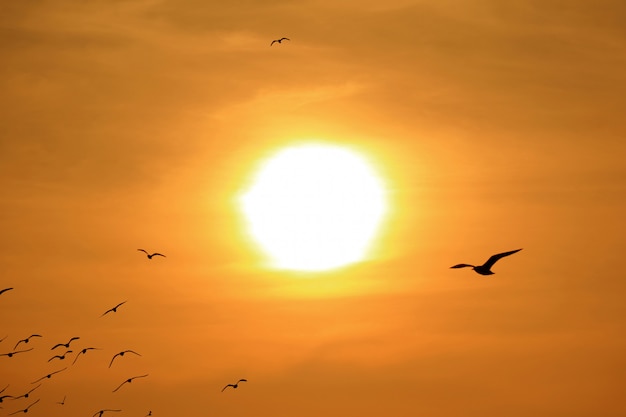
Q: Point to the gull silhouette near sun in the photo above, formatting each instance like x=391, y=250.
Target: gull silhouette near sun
x=485, y=269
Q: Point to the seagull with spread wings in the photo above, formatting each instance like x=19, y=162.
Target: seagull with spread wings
x=25, y=410
x=67, y=345
x=99, y=413
x=10, y=354
x=485, y=269
x=150, y=255
x=122, y=354
x=279, y=40
x=27, y=394
x=235, y=385
x=60, y=357
x=25, y=340
x=129, y=380
x=114, y=309
x=82, y=352
x=49, y=375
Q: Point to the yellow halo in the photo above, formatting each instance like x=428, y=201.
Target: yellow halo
x=314, y=207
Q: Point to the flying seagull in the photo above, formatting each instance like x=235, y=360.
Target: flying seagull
x=485, y=269
x=25, y=410
x=150, y=255
x=122, y=354
x=99, y=413
x=27, y=394
x=235, y=385
x=61, y=357
x=279, y=40
x=114, y=309
x=129, y=380
x=49, y=375
x=10, y=354
x=26, y=340
x=62, y=402
x=67, y=345
x=82, y=352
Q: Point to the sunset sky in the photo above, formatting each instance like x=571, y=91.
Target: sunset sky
x=494, y=125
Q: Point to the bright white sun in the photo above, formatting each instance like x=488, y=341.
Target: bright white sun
x=314, y=207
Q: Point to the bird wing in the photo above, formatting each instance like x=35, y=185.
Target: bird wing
x=132, y=351
x=113, y=358
x=462, y=266
x=496, y=257
x=273, y=42
x=242, y=380
x=144, y=251
x=5, y=290
x=229, y=385
x=57, y=345
x=120, y=385
x=18, y=343
x=285, y=39
x=158, y=254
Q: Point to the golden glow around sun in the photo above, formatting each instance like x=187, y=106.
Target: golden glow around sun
x=314, y=207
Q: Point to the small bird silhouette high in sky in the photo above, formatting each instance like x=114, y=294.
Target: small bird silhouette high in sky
x=150, y=255
x=235, y=385
x=67, y=345
x=485, y=269
x=26, y=340
x=114, y=309
x=122, y=354
x=129, y=380
x=279, y=40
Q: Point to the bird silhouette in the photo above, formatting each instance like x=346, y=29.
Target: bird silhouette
x=27, y=394
x=150, y=255
x=149, y=414
x=485, y=269
x=129, y=380
x=62, y=402
x=5, y=290
x=279, y=40
x=10, y=354
x=25, y=340
x=122, y=354
x=67, y=345
x=114, y=309
x=99, y=413
x=25, y=410
x=61, y=357
x=82, y=352
x=49, y=375
x=235, y=385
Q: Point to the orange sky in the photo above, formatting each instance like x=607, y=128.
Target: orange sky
x=496, y=125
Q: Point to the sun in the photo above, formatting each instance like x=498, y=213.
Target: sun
x=314, y=207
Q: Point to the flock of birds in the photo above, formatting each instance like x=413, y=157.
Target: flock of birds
x=20, y=348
